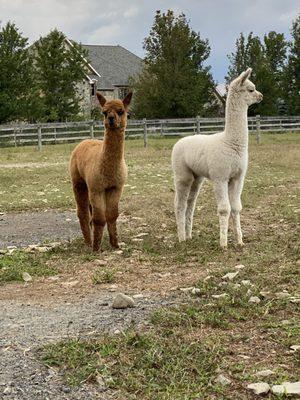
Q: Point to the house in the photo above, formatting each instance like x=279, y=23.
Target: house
x=109, y=69
x=220, y=92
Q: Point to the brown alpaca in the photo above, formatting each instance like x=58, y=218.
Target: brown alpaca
x=99, y=172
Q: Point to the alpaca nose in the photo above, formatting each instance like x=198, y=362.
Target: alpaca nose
x=111, y=120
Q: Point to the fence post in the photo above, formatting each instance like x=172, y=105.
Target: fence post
x=39, y=137
x=15, y=137
x=198, y=124
x=258, y=129
x=145, y=132
x=92, y=130
x=161, y=129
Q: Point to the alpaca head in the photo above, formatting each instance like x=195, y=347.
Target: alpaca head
x=114, y=111
x=244, y=90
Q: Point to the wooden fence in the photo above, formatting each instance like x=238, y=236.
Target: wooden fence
x=40, y=134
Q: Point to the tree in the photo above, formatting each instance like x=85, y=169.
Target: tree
x=267, y=61
x=292, y=72
x=173, y=82
x=16, y=75
x=59, y=67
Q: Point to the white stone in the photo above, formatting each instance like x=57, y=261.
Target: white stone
x=259, y=388
x=295, y=300
x=208, y=277
x=246, y=283
x=196, y=291
x=265, y=372
x=282, y=295
x=254, y=299
x=240, y=266
x=122, y=301
x=26, y=277
x=101, y=262
x=286, y=388
x=219, y=296
x=223, y=380
x=141, y=235
x=187, y=289
x=295, y=347
x=230, y=275
x=138, y=296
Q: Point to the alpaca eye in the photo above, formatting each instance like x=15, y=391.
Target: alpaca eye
x=104, y=113
x=121, y=112
x=251, y=90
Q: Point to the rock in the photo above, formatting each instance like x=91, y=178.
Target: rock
x=186, y=289
x=122, y=301
x=222, y=380
x=219, y=296
x=7, y=390
x=240, y=266
x=138, y=296
x=70, y=283
x=282, y=295
x=259, y=388
x=230, y=275
x=246, y=283
x=286, y=388
x=254, y=299
x=117, y=332
x=141, y=235
x=264, y=373
x=208, y=277
x=101, y=262
x=196, y=291
x=26, y=277
x=118, y=252
x=295, y=348
x=294, y=300
x=42, y=249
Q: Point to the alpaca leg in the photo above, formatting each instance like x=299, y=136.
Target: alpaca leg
x=191, y=203
x=182, y=190
x=112, y=212
x=97, y=201
x=83, y=212
x=221, y=194
x=235, y=190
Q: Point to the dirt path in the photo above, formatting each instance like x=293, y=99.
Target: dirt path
x=23, y=229
x=26, y=326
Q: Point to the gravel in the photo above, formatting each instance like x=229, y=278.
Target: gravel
x=25, y=328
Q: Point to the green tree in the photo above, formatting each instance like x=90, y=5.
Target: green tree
x=16, y=75
x=59, y=68
x=292, y=72
x=173, y=82
x=267, y=61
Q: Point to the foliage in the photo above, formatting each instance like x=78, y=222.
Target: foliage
x=59, y=68
x=173, y=82
x=267, y=61
x=16, y=75
x=292, y=72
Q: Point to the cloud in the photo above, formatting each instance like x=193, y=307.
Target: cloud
x=128, y=23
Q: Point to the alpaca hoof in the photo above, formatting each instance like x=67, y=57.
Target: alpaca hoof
x=224, y=247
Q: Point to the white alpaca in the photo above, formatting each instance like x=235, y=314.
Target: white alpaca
x=222, y=158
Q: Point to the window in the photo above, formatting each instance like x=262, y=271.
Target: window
x=93, y=86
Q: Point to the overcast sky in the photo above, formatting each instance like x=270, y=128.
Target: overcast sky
x=128, y=22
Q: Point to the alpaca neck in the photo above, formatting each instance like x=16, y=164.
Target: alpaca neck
x=236, y=122
x=114, y=144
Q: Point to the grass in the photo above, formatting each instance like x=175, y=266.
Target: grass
x=12, y=266
x=182, y=351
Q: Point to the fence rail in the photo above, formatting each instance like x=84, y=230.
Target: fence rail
x=39, y=134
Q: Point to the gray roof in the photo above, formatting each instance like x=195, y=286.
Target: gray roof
x=114, y=63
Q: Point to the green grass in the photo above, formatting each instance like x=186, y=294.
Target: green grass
x=12, y=266
x=104, y=276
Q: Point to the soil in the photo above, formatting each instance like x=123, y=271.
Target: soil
x=26, y=228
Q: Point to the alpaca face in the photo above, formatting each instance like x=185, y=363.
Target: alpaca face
x=114, y=111
x=244, y=90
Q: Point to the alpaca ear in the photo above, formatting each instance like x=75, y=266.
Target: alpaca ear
x=244, y=75
x=127, y=100
x=102, y=99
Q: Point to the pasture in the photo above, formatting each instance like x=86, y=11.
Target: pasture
x=177, y=349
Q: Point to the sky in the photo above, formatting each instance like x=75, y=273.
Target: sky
x=128, y=22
